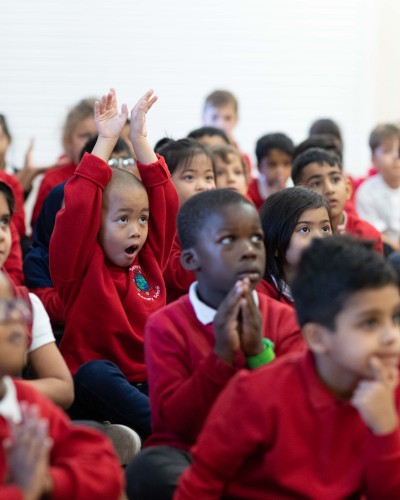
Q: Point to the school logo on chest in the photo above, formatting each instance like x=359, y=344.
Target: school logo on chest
x=143, y=287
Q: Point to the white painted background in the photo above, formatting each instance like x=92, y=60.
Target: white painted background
x=288, y=62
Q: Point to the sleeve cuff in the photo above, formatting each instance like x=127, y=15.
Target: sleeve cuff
x=94, y=169
x=387, y=445
x=155, y=173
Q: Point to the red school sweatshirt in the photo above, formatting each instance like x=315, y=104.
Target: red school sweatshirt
x=185, y=375
x=106, y=307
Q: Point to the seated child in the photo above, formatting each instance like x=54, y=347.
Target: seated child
x=192, y=169
x=211, y=136
x=43, y=454
x=274, y=162
x=321, y=171
x=78, y=128
x=195, y=345
x=52, y=377
x=230, y=169
x=290, y=219
x=323, y=424
x=378, y=197
x=107, y=256
x=221, y=110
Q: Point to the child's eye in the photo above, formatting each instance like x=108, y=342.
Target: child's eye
x=188, y=178
x=210, y=178
x=336, y=179
x=304, y=230
x=396, y=318
x=122, y=220
x=226, y=240
x=143, y=219
x=256, y=238
x=327, y=229
x=369, y=323
x=5, y=222
x=315, y=184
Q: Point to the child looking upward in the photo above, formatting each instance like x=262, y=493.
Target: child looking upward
x=321, y=171
x=43, y=454
x=109, y=248
x=378, y=197
x=330, y=426
x=274, y=162
x=195, y=345
x=290, y=219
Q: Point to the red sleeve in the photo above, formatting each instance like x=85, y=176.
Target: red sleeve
x=383, y=466
x=177, y=279
x=13, y=264
x=180, y=396
x=77, y=225
x=225, y=443
x=164, y=205
x=11, y=492
x=82, y=461
x=44, y=189
x=52, y=303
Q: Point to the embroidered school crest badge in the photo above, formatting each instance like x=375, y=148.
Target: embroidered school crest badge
x=144, y=289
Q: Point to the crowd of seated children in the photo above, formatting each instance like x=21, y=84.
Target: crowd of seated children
x=79, y=126
x=42, y=454
x=105, y=261
x=378, y=197
x=274, y=154
x=197, y=343
x=191, y=166
x=290, y=219
x=325, y=423
x=322, y=171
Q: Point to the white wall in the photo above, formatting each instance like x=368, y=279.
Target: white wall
x=288, y=62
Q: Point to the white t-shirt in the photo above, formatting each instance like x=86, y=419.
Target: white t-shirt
x=42, y=333
x=379, y=204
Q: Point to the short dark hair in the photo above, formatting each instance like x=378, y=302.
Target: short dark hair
x=382, y=133
x=279, y=215
x=313, y=155
x=120, y=147
x=333, y=269
x=4, y=126
x=322, y=141
x=326, y=126
x=198, y=133
x=223, y=152
x=220, y=98
x=182, y=151
x=273, y=141
x=195, y=212
x=9, y=196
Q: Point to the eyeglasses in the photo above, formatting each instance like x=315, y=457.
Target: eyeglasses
x=121, y=162
x=14, y=309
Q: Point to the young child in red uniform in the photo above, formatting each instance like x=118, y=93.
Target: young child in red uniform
x=321, y=171
x=42, y=453
x=290, y=219
x=109, y=248
x=195, y=345
x=274, y=162
x=323, y=424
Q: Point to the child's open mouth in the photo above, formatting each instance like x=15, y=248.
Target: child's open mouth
x=131, y=250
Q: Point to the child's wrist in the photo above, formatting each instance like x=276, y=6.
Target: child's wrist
x=265, y=357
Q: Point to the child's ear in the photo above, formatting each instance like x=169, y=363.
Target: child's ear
x=349, y=187
x=315, y=336
x=190, y=260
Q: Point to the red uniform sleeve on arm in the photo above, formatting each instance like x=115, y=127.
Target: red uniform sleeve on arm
x=164, y=205
x=52, y=303
x=13, y=264
x=10, y=492
x=77, y=225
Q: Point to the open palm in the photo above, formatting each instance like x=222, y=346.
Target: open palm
x=108, y=121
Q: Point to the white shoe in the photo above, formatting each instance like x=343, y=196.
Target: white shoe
x=126, y=441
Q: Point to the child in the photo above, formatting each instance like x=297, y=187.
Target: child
x=321, y=171
x=78, y=128
x=230, y=169
x=378, y=197
x=274, y=162
x=192, y=169
x=42, y=453
x=196, y=344
x=107, y=255
x=323, y=424
x=326, y=126
x=211, y=136
x=290, y=219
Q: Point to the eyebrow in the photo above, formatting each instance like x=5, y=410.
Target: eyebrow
x=310, y=222
x=130, y=210
x=319, y=176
